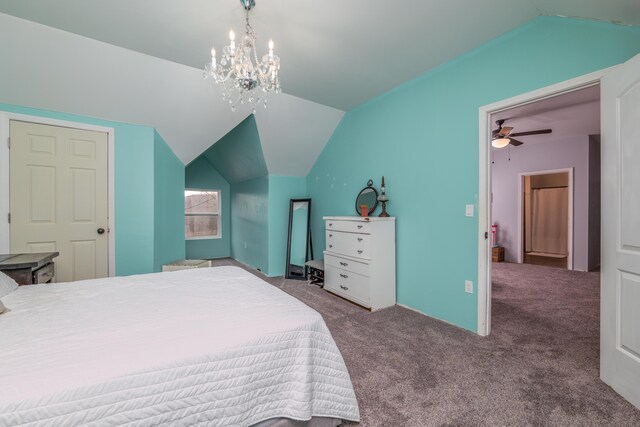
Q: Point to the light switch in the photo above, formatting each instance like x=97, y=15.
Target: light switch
x=468, y=286
x=469, y=210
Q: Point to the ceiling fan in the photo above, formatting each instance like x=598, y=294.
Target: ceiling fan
x=502, y=136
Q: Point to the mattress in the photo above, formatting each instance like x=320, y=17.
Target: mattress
x=213, y=346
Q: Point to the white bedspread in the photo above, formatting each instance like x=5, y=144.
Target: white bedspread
x=214, y=346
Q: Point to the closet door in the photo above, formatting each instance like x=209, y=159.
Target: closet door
x=58, y=197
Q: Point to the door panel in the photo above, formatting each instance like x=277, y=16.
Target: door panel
x=42, y=185
x=83, y=181
x=39, y=247
x=83, y=259
x=629, y=110
x=620, y=279
x=629, y=295
x=58, y=197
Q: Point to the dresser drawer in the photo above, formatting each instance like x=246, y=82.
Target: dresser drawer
x=349, y=226
x=347, y=284
x=350, y=244
x=347, y=264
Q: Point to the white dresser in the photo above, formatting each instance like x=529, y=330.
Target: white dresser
x=360, y=259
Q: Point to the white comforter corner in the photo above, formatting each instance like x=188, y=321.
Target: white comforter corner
x=215, y=347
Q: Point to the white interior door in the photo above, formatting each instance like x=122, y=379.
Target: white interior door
x=58, y=197
x=620, y=282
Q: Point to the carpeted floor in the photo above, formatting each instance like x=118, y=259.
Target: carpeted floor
x=539, y=367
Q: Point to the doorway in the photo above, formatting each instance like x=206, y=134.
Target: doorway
x=486, y=197
x=619, y=349
x=546, y=218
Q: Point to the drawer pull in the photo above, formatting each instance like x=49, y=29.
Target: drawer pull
x=330, y=246
x=344, y=264
x=344, y=287
x=359, y=252
x=330, y=224
x=344, y=276
x=359, y=227
x=330, y=235
x=359, y=239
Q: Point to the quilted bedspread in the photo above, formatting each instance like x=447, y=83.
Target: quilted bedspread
x=213, y=346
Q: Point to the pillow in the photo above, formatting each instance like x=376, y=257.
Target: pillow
x=7, y=285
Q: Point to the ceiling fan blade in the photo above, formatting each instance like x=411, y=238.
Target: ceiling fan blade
x=515, y=142
x=505, y=130
x=532, y=132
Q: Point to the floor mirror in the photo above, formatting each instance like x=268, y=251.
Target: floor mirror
x=299, y=245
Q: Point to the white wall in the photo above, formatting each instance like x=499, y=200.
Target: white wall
x=532, y=157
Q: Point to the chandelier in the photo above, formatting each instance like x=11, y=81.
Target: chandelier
x=243, y=78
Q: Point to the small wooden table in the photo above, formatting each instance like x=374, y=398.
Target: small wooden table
x=497, y=254
x=29, y=269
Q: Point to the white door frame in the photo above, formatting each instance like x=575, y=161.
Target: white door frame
x=484, y=191
x=5, y=229
x=570, y=173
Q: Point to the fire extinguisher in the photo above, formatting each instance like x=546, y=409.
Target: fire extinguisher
x=494, y=234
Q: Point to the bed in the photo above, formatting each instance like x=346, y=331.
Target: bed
x=212, y=346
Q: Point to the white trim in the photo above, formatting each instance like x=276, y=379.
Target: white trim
x=5, y=118
x=570, y=172
x=203, y=238
x=484, y=181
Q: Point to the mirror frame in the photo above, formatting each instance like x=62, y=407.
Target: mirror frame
x=308, y=246
x=369, y=186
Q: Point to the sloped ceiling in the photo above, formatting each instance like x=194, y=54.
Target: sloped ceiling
x=294, y=132
x=334, y=52
x=139, y=61
x=238, y=155
x=46, y=68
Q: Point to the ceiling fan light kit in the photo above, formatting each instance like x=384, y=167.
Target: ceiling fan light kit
x=242, y=76
x=502, y=136
x=500, y=142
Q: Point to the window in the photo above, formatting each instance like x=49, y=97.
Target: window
x=202, y=214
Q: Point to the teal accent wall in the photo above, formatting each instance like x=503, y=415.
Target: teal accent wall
x=249, y=225
x=258, y=207
x=200, y=174
x=169, y=243
x=281, y=190
x=134, y=188
x=423, y=137
x=238, y=155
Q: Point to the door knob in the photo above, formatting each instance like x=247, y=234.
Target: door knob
x=100, y=230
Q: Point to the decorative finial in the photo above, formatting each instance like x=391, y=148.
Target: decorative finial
x=382, y=198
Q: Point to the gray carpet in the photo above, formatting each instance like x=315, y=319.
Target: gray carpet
x=539, y=367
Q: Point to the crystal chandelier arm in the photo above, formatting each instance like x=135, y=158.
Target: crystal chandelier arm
x=243, y=76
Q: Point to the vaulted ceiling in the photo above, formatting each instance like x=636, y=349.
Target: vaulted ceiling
x=334, y=52
x=140, y=61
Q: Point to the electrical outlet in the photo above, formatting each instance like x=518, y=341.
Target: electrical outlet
x=468, y=286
